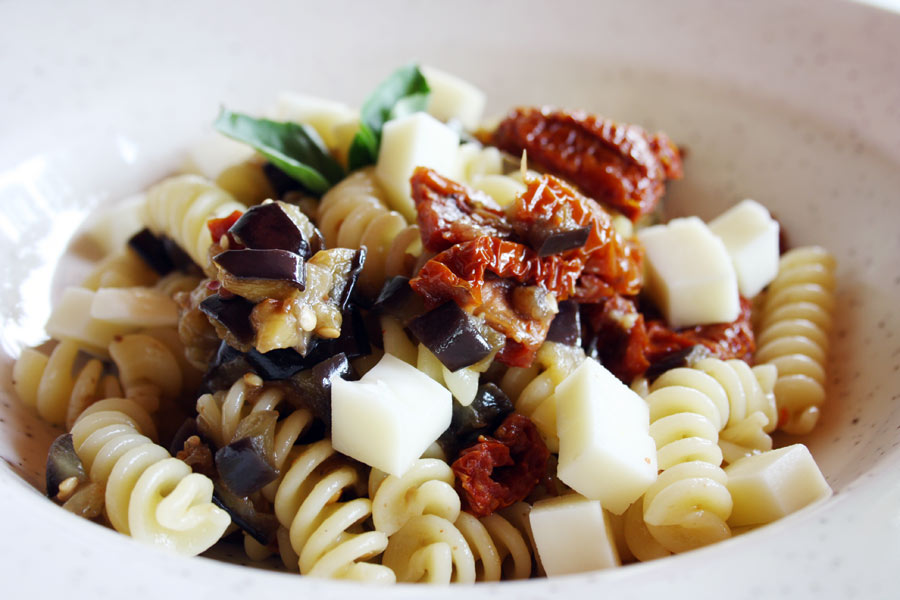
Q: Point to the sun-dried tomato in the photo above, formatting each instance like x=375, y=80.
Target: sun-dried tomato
x=618, y=164
x=501, y=470
x=724, y=340
x=449, y=213
x=525, y=333
x=219, y=227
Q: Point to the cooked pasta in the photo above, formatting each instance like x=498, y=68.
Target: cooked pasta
x=120, y=269
x=793, y=334
x=430, y=549
x=426, y=488
x=499, y=548
x=179, y=208
x=149, y=495
x=354, y=214
x=322, y=529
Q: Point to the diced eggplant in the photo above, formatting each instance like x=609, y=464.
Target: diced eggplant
x=228, y=365
x=276, y=364
x=243, y=468
x=314, y=385
x=398, y=300
x=186, y=430
x=481, y=417
x=268, y=227
x=152, y=250
x=680, y=358
x=566, y=325
x=347, y=276
x=553, y=241
x=180, y=258
x=260, y=526
x=63, y=463
x=231, y=313
x=452, y=337
x=252, y=273
x=353, y=340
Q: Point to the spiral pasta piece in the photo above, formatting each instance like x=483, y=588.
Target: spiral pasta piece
x=430, y=549
x=426, y=488
x=793, y=334
x=180, y=206
x=499, y=549
x=689, y=503
x=354, y=214
x=321, y=528
x=532, y=388
x=149, y=495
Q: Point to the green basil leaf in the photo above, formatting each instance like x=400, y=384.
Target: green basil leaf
x=294, y=148
x=404, y=92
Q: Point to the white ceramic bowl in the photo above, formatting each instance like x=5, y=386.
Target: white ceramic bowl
x=796, y=104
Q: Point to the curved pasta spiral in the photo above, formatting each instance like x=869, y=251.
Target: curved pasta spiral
x=180, y=206
x=793, y=335
x=689, y=503
x=430, y=549
x=426, y=488
x=322, y=530
x=353, y=214
x=499, y=549
x=149, y=495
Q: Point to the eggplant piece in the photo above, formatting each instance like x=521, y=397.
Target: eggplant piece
x=347, y=277
x=546, y=241
x=680, y=358
x=276, y=364
x=353, y=341
x=398, y=300
x=63, y=463
x=566, y=325
x=314, y=385
x=182, y=261
x=243, y=468
x=228, y=365
x=231, y=313
x=186, y=430
x=452, y=337
x=260, y=526
x=481, y=417
x=260, y=274
x=268, y=227
x=152, y=250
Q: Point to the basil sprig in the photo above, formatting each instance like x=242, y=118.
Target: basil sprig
x=404, y=92
x=294, y=148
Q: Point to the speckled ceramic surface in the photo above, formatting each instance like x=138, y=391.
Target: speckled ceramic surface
x=795, y=104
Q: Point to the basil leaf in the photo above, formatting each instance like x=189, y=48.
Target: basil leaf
x=404, y=92
x=294, y=148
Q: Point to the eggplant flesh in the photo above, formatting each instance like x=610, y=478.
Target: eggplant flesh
x=481, y=417
x=63, y=463
x=398, y=300
x=452, y=337
x=314, y=385
x=243, y=468
x=231, y=313
x=566, y=325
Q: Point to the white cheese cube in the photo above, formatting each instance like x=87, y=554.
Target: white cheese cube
x=572, y=535
x=416, y=140
x=770, y=485
x=503, y=189
x=750, y=235
x=319, y=113
x=214, y=153
x=388, y=418
x=605, y=449
x=454, y=98
x=135, y=306
x=689, y=273
x=71, y=320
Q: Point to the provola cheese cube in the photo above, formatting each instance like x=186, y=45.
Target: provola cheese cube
x=454, y=98
x=416, y=140
x=689, y=273
x=750, y=235
x=390, y=416
x=71, y=320
x=572, y=534
x=770, y=485
x=134, y=306
x=213, y=153
x=319, y=113
x=605, y=449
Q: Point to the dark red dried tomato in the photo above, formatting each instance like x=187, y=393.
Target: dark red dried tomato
x=501, y=470
x=449, y=213
x=724, y=340
x=524, y=333
x=618, y=164
x=219, y=227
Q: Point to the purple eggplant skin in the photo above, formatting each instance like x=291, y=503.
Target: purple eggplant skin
x=481, y=417
x=314, y=385
x=260, y=526
x=276, y=265
x=268, y=227
x=232, y=313
x=153, y=251
x=680, y=358
x=186, y=430
x=566, y=325
x=451, y=335
x=227, y=366
x=63, y=463
x=243, y=468
x=276, y=364
x=353, y=340
x=547, y=241
x=345, y=289
x=398, y=300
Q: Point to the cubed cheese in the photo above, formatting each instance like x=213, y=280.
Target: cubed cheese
x=750, y=235
x=134, y=306
x=572, y=535
x=454, y=98
x=388, y=418
x=605, y=449
x=504, y=190
x=71, y=320
x=689, y=273
x=214, y=153
x=416, y=140
x=321, y=114
x=770, y=485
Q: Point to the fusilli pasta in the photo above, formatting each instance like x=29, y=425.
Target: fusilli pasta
x=426, y=488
